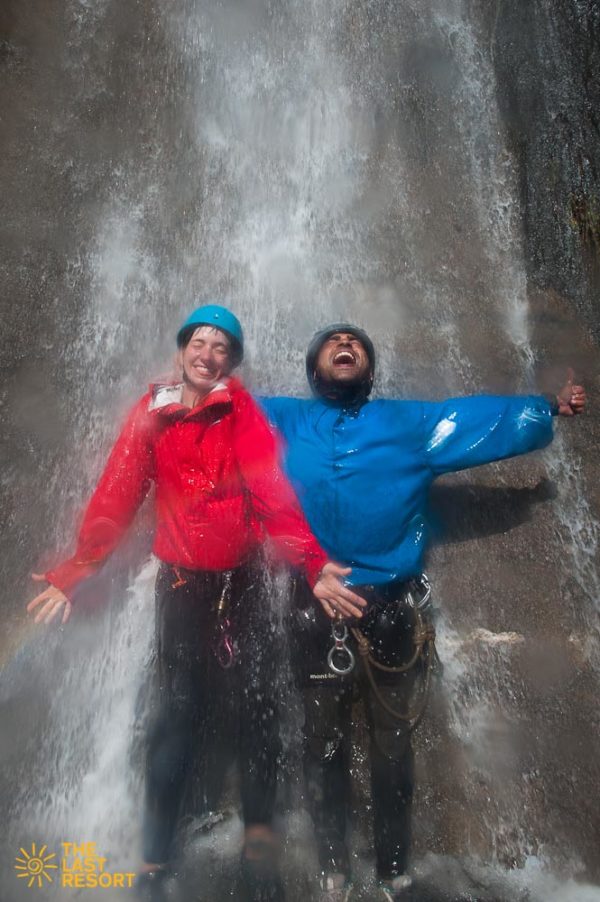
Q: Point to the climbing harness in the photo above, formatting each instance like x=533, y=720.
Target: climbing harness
x=418, y=598
x=180, y=580
x=340, y=658
x=419, y=602
x=225, y=648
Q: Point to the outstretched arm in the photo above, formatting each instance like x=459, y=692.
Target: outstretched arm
x=468, y=432
x=120, y=491
x=275, y=503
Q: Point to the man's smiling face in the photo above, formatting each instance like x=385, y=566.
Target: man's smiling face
x=343, y=360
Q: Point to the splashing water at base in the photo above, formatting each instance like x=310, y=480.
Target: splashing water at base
x=313, y=162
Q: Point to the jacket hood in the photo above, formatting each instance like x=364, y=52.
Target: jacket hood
x=319, y=339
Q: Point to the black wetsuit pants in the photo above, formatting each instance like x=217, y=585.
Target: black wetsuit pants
x=328, y=712
x=204, y=710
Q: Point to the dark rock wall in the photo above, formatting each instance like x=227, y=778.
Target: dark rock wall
x=547, y=59
x=92, y=108
x=84, y=92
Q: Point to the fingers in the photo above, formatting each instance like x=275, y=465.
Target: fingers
x=575, y=402
x=571, y=398
x=578, y=398
x=348, y=606
x=38, y=577
x=343, y=593
x=339, y=608
x=336, y=569
x=52, y=612
x=327, y=608
x=354, y=599
x=334, y=602
x=330, y=579
x=50, y=603
x=348, y=610
x=342, y=598
x=48, y=612
x=55, y=610
x=39, y=599
x=335, y=597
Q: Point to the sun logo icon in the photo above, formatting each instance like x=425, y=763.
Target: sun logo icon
x=35, y=866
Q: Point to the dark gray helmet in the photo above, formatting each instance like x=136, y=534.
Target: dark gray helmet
x=319, y=339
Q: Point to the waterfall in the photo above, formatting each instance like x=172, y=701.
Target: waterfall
x=307, y=162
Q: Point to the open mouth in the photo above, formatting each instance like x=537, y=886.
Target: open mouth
x=202, y=370
x=344, y=358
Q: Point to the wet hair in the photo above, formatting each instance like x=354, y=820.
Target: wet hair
x=185, y=336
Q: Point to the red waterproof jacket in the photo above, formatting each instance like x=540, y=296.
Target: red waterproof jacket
x=218, y=488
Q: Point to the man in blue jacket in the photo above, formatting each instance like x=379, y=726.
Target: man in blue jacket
x=362, y=471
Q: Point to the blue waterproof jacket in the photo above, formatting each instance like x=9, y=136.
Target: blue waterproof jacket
x=363, y=473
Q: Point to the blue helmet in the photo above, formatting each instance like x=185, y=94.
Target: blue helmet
x=221, y=318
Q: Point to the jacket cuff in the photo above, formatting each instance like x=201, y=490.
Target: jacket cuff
x=313, y=564
x=552, y=401
x=69, y=575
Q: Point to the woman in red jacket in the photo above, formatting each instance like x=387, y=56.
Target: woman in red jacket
x=219, y=493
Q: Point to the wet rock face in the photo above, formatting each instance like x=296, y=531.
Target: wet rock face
x=547, y=60
x=67, y=143
x=134, y=177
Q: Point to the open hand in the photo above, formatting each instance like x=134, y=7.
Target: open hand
x=571, y=399
x=335, y=597
x=52, y=600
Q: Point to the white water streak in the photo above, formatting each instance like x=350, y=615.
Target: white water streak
x=93, y=793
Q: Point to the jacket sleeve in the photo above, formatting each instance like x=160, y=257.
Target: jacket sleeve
x=277, y=410
x=467, y=432
x=122, y=487
x=273, y=498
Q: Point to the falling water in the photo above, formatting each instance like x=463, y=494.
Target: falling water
x=308, y=162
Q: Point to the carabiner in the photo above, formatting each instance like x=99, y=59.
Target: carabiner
x=225, y=651
x=421, y=587
x=339, y=634
x=425, y=587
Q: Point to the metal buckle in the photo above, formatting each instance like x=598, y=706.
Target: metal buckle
x=339, y=634
x=423, y=586
x=225, y=650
